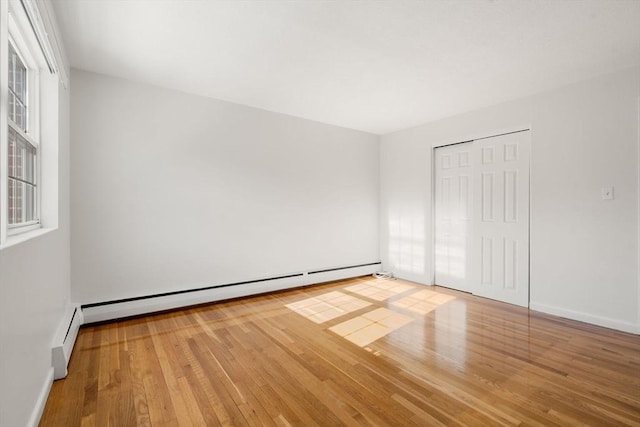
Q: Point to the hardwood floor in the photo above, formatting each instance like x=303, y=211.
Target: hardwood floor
x=358, y=352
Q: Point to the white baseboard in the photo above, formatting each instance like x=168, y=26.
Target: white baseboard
x=38, y=408
x=587, y=318
x=116, y=310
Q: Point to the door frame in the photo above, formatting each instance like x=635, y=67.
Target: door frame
x=432, y=198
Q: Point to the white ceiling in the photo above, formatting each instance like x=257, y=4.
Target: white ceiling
x=374, y=66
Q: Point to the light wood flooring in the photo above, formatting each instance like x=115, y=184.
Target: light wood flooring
x=357, y=352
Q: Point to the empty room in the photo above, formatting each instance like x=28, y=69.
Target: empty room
x=319, y=213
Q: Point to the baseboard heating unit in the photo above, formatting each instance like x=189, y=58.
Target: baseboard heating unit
x=126, y=307
x=64, y=340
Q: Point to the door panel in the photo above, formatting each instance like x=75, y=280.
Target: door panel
x=502, y=228
x=453, y=215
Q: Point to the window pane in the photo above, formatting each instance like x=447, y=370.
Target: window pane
x=12, y=64
x=30, y=202
x=12, y=102
x=17, y=90
x=20, y=115
x=21, y=81
x=11, y=189
x=17, y=75
x=21, y=202
x=22, y=158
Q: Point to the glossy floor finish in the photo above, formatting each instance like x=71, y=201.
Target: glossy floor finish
x=385, y=352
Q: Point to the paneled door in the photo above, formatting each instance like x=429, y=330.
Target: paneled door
x=501, y=207
x=453, y=216
x=482, y=217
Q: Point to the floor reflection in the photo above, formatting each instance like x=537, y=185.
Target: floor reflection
x=451, y=342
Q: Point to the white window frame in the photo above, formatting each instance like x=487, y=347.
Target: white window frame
x=20, y=34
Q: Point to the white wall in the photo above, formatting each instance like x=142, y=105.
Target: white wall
x=34, y=294
x=173, y=191
x=584, y=251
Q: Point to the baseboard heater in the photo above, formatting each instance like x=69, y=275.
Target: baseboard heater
x=126, y=307
x=64, y=340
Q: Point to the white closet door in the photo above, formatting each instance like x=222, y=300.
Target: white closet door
x=482, y=217
x=453, y=216
x=501, y=211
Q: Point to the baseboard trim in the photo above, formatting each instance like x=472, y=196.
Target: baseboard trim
x=127, y=307
x=587, y=318
x=38, y=408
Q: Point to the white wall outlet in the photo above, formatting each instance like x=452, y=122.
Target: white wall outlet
x=607, y=193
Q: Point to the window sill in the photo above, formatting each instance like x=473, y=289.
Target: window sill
x=23, y=237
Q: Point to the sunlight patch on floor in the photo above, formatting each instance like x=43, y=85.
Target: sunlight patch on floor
x=365, y=329
x=379, y=290
x=423, y=302
x=328, y=306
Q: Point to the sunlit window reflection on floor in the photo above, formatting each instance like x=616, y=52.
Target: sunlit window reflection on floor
x=328, y=306
x=423, y=302
x=380, y=289
x=365, y=329
x=376, y=323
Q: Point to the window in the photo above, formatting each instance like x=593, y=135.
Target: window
x=30, y=82
x=22, y=151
